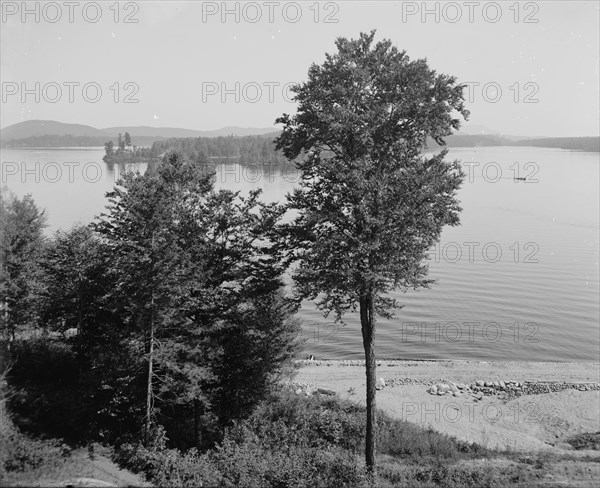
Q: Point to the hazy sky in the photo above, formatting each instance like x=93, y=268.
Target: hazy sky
x=536, y=63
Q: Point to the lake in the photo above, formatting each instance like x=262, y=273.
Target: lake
x=518, y=280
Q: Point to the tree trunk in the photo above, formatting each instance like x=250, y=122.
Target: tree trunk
x=149, y=393
x=367, y=321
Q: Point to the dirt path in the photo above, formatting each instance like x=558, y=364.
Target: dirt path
x=112, y=472
x=81, y=470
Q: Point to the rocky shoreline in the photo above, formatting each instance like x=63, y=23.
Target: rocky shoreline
x=510, y=388
x=478, y=388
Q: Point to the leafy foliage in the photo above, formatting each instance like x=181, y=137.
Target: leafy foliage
x=370, y=205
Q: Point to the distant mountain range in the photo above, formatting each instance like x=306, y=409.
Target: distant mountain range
x=29, y=132
x=50, y=133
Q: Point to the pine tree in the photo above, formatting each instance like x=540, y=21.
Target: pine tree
x=21, y=240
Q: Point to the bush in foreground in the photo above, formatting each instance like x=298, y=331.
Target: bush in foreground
x=20, y=453
x=294, y=441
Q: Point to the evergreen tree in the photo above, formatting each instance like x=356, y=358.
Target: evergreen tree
x=127, y=140
x=21, y=241
x=109, y=149
x=142, y=228
x=190, y=267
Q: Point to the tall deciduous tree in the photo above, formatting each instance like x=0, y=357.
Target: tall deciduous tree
x=370, y=203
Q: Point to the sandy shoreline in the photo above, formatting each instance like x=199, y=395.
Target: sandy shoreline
x=529, y=422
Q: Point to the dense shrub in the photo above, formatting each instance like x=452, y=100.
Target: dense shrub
x=20, y=453
x=56, y=394
x=315, y=421
x=587, y=440
x=246, y=464
x=296, y=441
x=454, y=477
x=286, y=419
x=168, y=467
x=46, y=398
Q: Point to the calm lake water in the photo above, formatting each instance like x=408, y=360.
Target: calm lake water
x=518, y=280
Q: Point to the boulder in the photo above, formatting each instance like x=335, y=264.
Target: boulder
x=380, y=385
x=479, y=383
x=433, y=390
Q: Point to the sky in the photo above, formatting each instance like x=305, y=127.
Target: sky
x=532, y=68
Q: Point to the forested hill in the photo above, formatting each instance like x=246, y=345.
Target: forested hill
x=590, y=144
x=68, y=140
